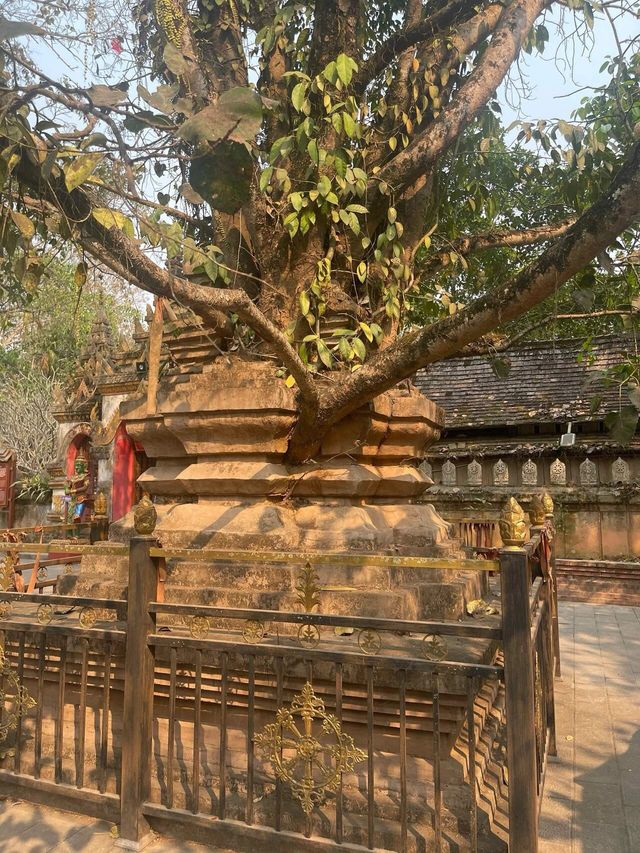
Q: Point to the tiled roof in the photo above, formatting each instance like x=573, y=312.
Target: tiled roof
x=546, y=382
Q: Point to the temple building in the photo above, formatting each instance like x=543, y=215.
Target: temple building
x=90, y=425
x=540, y=427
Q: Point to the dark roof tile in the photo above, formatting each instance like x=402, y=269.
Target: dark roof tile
x=546, y=382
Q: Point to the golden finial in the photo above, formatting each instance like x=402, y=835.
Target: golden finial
x=547, y=503
x=145, y=516
x=513, y=529
x=536, y=511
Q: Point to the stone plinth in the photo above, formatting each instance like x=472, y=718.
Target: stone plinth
x=219, y=440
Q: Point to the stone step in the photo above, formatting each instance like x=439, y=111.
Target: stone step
x=274, y=576
x=389, y=604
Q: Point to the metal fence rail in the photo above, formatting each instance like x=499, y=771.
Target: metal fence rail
x=264, y=729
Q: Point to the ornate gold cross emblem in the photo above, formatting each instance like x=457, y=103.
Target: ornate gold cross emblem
x=299, y=758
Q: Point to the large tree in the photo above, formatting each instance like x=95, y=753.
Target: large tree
x=292, y=171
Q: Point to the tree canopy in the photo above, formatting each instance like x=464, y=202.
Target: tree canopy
x=319, y=172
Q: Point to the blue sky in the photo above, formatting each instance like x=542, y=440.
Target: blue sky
x=554, y=84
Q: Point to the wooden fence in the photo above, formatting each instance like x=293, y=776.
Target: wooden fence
x=261, y=729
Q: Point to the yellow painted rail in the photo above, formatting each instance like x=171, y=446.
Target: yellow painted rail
x=297, y=557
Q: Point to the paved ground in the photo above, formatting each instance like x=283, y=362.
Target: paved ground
x=25, y=828
x=592, y=793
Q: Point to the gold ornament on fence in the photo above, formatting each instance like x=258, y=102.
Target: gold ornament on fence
x=308, y=596
x=5, y=609
x=369, y=641
x=547, y=503
x=308, y=589
x=145, y=516
x=253, y=631
x=88, y=617
x=434, y=647
x=14, y=698
x=513, y=529
x=7, y=570
x=45, y=614
x=199, y=627
x=309, y=635
x=536, y=512
x=299, y=758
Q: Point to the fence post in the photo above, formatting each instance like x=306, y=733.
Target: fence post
x=137, y=740
x=519, y=682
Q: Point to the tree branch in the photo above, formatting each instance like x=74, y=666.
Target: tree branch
x=473, y=243
x=596, y=229
x=409, y=37
x=122, y=255
x=420, y=156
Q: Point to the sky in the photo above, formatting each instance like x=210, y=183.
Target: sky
x=554, y=86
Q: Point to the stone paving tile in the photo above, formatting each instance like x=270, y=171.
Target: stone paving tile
x=27, y=828
x=598, y=733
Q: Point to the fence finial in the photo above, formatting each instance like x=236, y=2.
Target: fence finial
x=145, y=516
x=536, y=511
x=547, y=503
x=513, y=529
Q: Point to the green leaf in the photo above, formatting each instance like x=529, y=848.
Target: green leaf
x=344, y=348
x=324, y=353
x=106, y=96
x=324, y=185
x=622, y=425
x=223, y=177
x=367, y=332
x=24, y=225
x=175, y=60
x=350, y=127
x=81, y=168
x=113, y=219
x=345, y=68
x=501, y=367
x=161, y=99
x=80, y=275
x=359, y=348
x=305, y=303
x=313, y=152
x=299, y=96
x=236, y=116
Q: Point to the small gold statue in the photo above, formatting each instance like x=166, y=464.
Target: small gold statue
x=100, y=505
x=536, y=511
x=145, y=516
x=513, y=528
x=547, y=503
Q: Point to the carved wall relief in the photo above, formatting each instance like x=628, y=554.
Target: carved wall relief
x=474, y=473
x=449, y=473
x=558, y=473
x=588, y=473
x=500, y=473
x=529, y=473
x=620, y=472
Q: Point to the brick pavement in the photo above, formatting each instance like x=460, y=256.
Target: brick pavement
x=592, y=791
